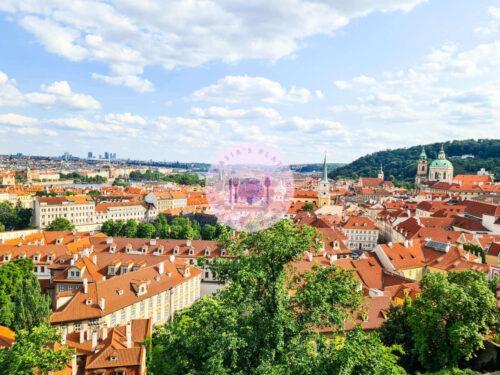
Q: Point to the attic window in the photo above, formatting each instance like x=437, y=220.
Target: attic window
x=49, y=258
x=207, y=251
x=119, y=292
x=223, y=252
x=113, y=358
x=176, y=250
x=88, y=301
x=36, y=258
x=191, y=251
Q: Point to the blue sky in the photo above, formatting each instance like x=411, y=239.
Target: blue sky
x=185, y=80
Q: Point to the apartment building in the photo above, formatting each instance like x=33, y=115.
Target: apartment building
x=79, y=210
x=136, y=291
x=361, y=233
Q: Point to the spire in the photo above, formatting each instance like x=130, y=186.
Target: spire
x=442, y=155
x=325, y=171
x=423, y=155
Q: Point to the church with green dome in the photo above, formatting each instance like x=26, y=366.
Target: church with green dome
x=439, y=170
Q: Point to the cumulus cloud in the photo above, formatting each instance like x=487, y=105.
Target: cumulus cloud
x=130, y=35
x=15, y=119
x=57, y=94
x=125, y=118
x=245, y=89
x=134, y=82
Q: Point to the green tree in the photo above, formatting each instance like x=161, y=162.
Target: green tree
x=2, y=227
x=209, y=232
x=130, y=229
x=108, y=228
x=309, y=207
x=14, y=217
x=60, y=223
x=448, y=320
x=34, y=351
x=257, y=326
x=22, y=304
x=146, y=230
x=94, y=194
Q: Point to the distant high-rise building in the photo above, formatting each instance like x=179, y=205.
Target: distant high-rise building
x=106, y=155
x=90, y=155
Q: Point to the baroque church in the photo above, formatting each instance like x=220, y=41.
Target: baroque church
x=439, y=170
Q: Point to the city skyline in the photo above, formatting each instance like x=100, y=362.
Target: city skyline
x=183, y=83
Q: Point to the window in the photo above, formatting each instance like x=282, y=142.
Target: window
x=123, y=316
x=132, y=312
x=150, y=304
x=78, y=327
x=143, y=307
x=113, y=319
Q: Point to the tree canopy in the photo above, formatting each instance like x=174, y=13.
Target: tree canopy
x=22, y=304
x=14, y=217
x=60, y=223
x=35, y=351
x=154, y=175
x=446, y=324
x=265, y=321
x=177, y=227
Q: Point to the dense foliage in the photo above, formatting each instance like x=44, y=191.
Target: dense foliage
x=177, y=227
x=401, y=164
x=78, y=178
x=14, y=217
x=154, y=175
x=446, y=324
x=257, y=325
x=316, y=168
x=60, y=223
x=22, y=304
x=34, y=352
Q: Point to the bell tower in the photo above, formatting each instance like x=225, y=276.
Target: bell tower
x=421, y=176
x=380, y=175
x=324, y=198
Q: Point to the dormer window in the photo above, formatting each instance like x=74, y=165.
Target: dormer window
x=36, y=257
x=223, y=252
x=88, y=301
x=74, y=273
x=144, y=249
x=207, y=251
x=119, y=292
x=111, y=270
x=191, y=251
x=176, y=250
x=6, y=257
x=112, y=248
x=113, y=358
x=50, y=258
x=128, y=248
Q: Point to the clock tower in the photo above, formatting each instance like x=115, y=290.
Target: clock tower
x=324, y=198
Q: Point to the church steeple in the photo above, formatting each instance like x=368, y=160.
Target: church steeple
x=325, y=171
x=381, y=173
x=423, y=155
x=442, y=155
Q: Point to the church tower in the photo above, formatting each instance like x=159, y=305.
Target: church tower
x=441, y=169
x=421, y=176
x=380, y=175
x=324, y=198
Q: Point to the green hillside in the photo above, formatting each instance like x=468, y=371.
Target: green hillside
x=314, y=168
x=400, y=164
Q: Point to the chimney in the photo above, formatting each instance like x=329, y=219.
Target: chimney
x=171, y=258
x=82, y=336
x=102, y=303
x=161, y=268
x=94, y=339
x=104, y=333
x=63, y=336
x=85, y=286
x=128, y=333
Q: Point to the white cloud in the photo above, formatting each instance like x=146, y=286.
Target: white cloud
x=245, y=89
x=15, y=119
x=125, y=118
x=57, y=94
x=492, y=26
x=225, y=112
x=130, y=35
x=134, y=82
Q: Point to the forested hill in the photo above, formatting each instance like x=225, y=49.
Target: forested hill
x=400, y=164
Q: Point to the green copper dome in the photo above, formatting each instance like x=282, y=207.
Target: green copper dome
x=441, y=163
